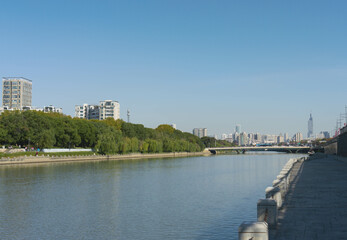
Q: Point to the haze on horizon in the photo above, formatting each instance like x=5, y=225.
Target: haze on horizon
x=263, y=64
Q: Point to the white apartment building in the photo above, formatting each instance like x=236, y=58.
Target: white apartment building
x=105, y=109
x=109, y=108
x=200, y=132
x=87, y=111
x=81, y=111
x=16, y=92
x=46, y=109
x=52, y=108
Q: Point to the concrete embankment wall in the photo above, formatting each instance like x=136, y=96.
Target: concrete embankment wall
x=342, y=145
x=51, y=159
x=338, y=145
x=331, y=147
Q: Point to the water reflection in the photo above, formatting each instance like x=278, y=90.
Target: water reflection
x=183, y=198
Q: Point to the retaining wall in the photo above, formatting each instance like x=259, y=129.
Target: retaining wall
x=342, y=144
x=331, y=147
x=50, y=158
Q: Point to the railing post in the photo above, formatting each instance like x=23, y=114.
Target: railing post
x=267, y=212
x=253, y=230
x=275, y=194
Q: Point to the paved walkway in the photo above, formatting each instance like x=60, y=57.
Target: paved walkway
x=316, y=204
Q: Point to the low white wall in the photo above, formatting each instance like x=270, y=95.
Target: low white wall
x=66, y=150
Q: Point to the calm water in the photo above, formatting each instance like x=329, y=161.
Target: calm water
x=182, y=198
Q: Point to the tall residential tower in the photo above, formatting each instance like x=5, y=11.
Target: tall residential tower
x=16, y=92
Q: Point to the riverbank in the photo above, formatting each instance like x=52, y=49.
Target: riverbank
x=315, y=207
x=52, y=159
x=306, y=201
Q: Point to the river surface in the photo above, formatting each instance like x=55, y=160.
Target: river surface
x=156, y=199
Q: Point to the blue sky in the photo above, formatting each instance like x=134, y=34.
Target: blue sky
x=263, y=64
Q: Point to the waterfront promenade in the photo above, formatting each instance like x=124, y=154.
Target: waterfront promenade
x=315, y=206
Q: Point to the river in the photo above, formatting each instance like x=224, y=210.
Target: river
x=156, y=199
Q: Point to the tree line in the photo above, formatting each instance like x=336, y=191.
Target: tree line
x=48, y=130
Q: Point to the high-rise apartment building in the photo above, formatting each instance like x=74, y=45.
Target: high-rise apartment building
x=16, y=92
x=106, y=109
x=87, y=111
x=109, y=108
x=200, y=132
x=310, y=127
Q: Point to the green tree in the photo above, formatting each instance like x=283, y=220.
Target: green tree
x=106, y=144
x=45, y=139
x=134, y=144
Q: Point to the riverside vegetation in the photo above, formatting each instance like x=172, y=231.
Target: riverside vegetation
x=49, y=130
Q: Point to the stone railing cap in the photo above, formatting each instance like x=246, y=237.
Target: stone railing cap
x=266, y=202
x=253, y=227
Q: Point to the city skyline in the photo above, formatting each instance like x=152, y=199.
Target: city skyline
x=109, y=108
x=168, y=63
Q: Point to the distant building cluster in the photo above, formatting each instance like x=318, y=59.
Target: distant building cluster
x=105, y=109
x=17, y=95
x=200, y=132
x=243, y=138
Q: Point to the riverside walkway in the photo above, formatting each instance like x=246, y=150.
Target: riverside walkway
x=316, y=203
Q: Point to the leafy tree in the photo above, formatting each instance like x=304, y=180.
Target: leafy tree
x=45, y=139
x=106, y=144
x=46, y=130
x=165, y=128
x=134, y=144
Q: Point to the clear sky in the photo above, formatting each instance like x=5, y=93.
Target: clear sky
x=263, y=64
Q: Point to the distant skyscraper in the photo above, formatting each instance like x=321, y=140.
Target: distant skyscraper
x=243, y=139
x=286, y=137
x=16, y=92
x=238, y=128
x=297, y=137
x=280, y=138
x=257, y=137
x=310, y=127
